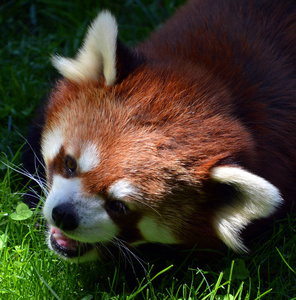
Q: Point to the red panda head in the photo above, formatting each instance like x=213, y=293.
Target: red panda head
x=144, y=152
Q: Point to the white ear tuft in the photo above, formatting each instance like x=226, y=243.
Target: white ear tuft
x=97, y=56
x=257, y=199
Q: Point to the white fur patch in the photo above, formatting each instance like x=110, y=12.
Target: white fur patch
x=89, y=158
x=154, y=232
x=95, y=225
x=97, y=56
x=258, y=199
x=122, y=189
x=52, y=142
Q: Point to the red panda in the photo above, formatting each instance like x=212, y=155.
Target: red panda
x=185, y=139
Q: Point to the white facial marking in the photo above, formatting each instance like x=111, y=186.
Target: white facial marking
x=95, y=225
x=122, y=189
x=258, y=198
x=97, y=56
x=89, y=158
x=155, y=232
x=52, y=142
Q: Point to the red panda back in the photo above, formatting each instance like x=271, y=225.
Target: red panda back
x=238, y=43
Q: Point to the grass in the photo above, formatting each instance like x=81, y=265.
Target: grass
x=31, y=31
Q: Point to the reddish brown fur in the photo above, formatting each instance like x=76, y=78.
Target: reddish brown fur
x=250, y=46
x=214, y=86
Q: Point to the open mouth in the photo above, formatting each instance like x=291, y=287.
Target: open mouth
x=66, y=246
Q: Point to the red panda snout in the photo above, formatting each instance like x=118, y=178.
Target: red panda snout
x=78, y=221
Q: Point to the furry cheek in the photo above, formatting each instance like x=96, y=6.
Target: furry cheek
x=154, y=232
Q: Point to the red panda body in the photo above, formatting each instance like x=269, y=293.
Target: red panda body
x=248, y=47
x=185, y=139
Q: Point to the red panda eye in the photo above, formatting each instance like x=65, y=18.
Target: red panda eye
x=115, y=207
x=70, y=164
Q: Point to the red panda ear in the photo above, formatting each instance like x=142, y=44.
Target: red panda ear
x=256, y=198
x=97, y=56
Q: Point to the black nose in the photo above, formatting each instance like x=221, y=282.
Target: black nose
x=65, y=216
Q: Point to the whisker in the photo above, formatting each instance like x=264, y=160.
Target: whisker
x=41, y=182
x=129, y=254
x=97, y=246
x=149, y=206
x=35, y=155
